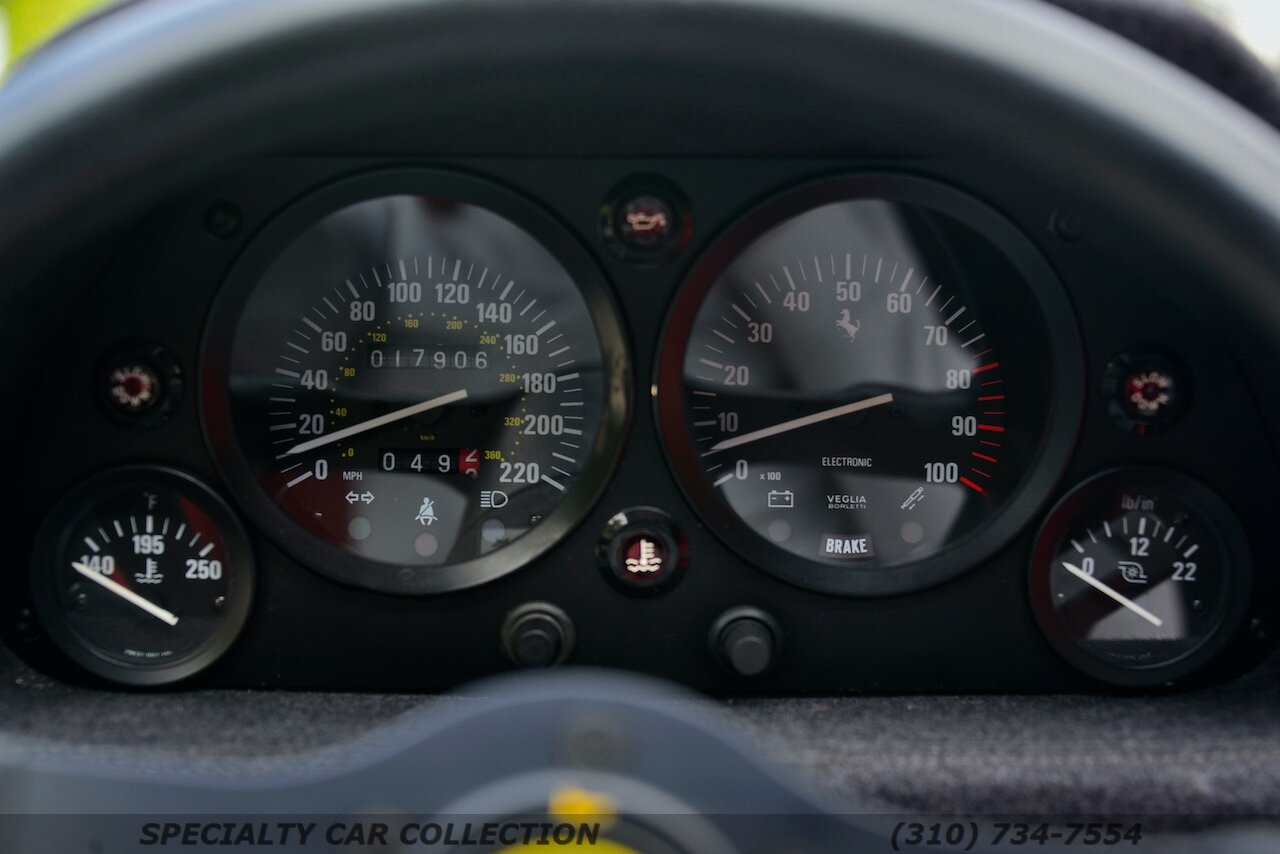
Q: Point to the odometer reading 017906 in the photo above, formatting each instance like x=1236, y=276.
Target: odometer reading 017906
x=867, y=386
x=416, y=383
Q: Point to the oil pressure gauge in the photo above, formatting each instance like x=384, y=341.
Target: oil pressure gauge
x=142, y=575
x=1139, y=576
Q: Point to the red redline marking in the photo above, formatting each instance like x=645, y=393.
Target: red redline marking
x=988, y=366
x=983, y=353
x=992, y=444
x=978, y=471
x=972, y=485
x=995, y=413
x=991, y=428
x=984, y=457
x=991, y=396
x=992, y=382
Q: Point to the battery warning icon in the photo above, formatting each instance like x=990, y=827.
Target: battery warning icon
x=782, y=499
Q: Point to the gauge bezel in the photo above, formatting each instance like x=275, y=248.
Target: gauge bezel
x=1223, y=526
x=233, y=298
x=1065, y=371
x=52, y=540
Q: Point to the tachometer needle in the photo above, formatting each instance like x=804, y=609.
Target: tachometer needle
x=1123, y=600
x=380, y=421
x=126, y=594
x=797, y=423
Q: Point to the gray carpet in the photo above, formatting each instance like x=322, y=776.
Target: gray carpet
x=1207, y=753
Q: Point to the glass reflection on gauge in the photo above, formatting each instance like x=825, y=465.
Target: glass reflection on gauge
x=861, y=378
x=424, y=387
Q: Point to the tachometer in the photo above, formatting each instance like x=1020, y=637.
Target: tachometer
x=419, y=390
x=868, y=385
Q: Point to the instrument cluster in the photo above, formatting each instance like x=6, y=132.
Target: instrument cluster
x=794, y=427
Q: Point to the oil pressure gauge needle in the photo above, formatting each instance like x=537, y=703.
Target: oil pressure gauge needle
x=126, y=594
x=797, y=423
x=1123, y=600
x=380, y=421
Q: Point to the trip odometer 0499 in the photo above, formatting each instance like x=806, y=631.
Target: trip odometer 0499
x=869, y=385
x=424, y=378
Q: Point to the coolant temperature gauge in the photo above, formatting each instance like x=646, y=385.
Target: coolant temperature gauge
x=1139, y=576
x=142, y=575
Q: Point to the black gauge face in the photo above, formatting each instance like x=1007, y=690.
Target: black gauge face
x=142, y=576
x=861, y=378
x=1133, y=575
x=417, y=383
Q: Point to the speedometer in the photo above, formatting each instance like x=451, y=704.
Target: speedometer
x=869, y=385
x=416, y=380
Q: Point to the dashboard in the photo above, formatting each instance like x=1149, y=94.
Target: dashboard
x=410, y=401
x=751, y=424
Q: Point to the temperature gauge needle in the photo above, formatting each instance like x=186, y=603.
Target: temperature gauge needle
x=380, y=421
x=797, y=423
x=1123, y=600
x=126, y=594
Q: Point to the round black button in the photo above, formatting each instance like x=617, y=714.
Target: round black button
x=746, y=640
x=748, y=646
x=641, y=550
x=537, y=634
x=536, y=646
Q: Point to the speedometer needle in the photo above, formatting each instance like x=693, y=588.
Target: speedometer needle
x=797, y=423
x=380, y=421
x=126, y=594
x=1123, y=600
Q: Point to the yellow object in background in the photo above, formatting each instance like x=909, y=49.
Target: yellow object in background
x=570, y=802
x=30, y=23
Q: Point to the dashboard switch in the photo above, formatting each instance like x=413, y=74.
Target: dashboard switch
x=537, y=634
x=746, y=641
x=641, y=551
